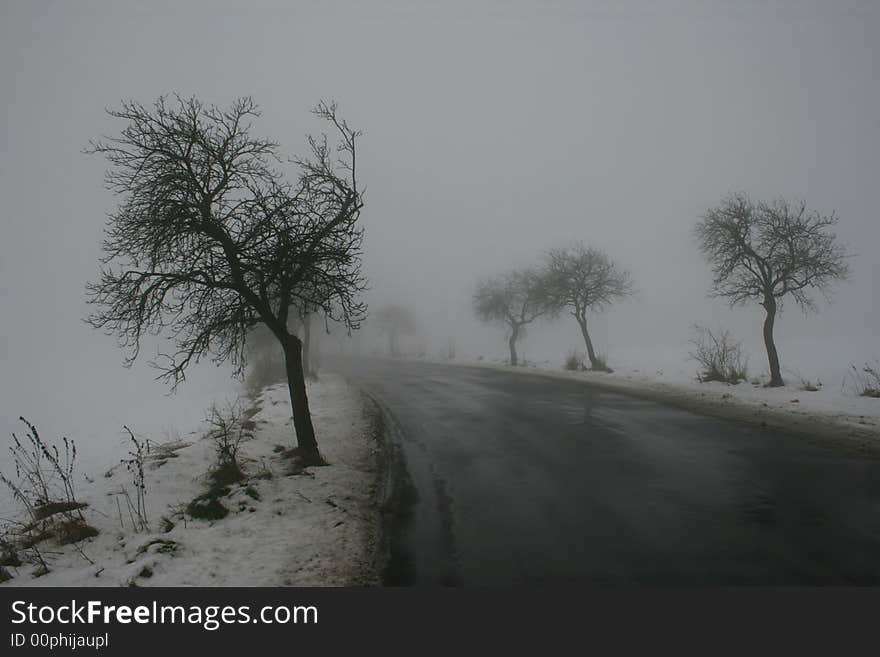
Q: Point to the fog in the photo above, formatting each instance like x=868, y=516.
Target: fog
x=491, y=134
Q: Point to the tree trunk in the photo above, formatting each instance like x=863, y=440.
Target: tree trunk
x=307, y=446
x=392, y=343
x=511, y=343
x=772, y=355
x=591, y=354
x=307, y=345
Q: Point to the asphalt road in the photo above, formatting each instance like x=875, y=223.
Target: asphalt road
x=515, y=479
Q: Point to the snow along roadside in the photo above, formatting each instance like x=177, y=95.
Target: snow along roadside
x=318, y=527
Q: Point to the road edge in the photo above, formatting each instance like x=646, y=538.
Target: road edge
x=395, y=495
x=816, y=427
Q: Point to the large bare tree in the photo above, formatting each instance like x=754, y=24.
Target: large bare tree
x=514, y=299
x=209, y=240
x=767, y=251
x=583, y=279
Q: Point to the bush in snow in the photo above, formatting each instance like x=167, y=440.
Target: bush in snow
x=44, y=479
x=135, y=466
x=227, y=432
x=574, y=361
x=720, y=356
x=8, y=554
x=43, y=484
x=866, y=379
x=806, y=385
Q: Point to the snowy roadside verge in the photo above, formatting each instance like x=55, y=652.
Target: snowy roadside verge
x=833, y=416
x=285, y=526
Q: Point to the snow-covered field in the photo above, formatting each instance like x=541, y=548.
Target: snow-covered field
x=316, y=527
x=834, y=409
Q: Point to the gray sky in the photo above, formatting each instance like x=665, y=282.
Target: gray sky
x=492, y=132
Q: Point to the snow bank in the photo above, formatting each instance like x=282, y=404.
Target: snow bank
x=317, y=527
x=833, y=410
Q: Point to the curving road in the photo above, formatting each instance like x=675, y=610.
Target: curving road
x=517, y=479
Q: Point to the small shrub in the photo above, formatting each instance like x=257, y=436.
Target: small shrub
x=74, y=531
x=44, y=474
x=806, y=385
x=207, y=507
x=135, y=466
x=227, y=431
x=34, y=536
x=5, y=575
x=574, y=361
x=866, y=379
x=8, y=554
x=224, y=475
x=264, y=472
x=810, y=386
x=44, y=486
x=601, y=365
x=720, y=357
x=252, y=493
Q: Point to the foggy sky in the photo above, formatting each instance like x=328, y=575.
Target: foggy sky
x=493, y=131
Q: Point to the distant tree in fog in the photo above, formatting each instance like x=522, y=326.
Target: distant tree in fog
x=765, y=252
x=583, y=279
x=395, y=321
x=210, y=241
x=304, y=318
x=513, y=300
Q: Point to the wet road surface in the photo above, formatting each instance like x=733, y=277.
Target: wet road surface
x=515, y=479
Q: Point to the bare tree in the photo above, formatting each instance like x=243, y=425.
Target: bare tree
x=765, y=252
x=583, y=279
x=514, y=299
x=209, y=240
x=395, y=321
